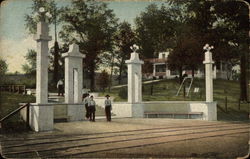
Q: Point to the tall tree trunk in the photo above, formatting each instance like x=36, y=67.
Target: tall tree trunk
x=180, y=74
x=120, y=71
x=193, y=72
x=92, y=79
x=111, y=73
x=243, y=78
x=56, y=63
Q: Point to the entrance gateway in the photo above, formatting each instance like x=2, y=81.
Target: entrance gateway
x=41, y=113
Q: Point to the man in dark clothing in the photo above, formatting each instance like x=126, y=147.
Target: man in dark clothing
x=108, y=108
x=86, y=101
x=91, y=105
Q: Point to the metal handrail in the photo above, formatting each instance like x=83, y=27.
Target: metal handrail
x=14, y=112
x=182, y=83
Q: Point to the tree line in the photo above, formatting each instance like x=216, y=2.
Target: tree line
x=183, y=27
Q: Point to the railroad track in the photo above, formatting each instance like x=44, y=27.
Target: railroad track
x=78, y=145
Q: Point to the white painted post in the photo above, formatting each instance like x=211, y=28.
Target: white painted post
x=134, y=77
x=209, y=73
x=73, y=82
x=154, y=70
x=41, y=115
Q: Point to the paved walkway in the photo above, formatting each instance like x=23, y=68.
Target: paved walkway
x=145, y=82
x=132, y=138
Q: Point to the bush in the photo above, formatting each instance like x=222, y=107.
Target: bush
x=123, y=93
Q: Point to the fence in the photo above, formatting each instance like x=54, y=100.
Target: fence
x=13, y=88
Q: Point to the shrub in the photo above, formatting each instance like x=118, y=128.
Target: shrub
x=123, y=93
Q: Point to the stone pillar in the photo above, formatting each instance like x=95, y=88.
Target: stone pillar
x=154, y=70
x=208, y=73
x=134, y=78
x=73, y=82
x=41, y=114
x=214, y=72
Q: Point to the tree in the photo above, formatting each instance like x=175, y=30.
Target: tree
x=91, y=25
x=30, y=66
x=154, y=30
x=31, y=19
x=124, y=39
x=109, y=60
x=223, y=24
x=103, y=80
x=235, y=17
x=3, y=67
x=31, y=24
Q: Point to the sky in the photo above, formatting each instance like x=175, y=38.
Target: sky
x=15, y=40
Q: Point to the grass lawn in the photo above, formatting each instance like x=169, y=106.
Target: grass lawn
x=166, y=90
x=8, y=103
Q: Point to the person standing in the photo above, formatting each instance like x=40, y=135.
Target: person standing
x=60, y=87
x=86, y=104
x=91, y=105
x=108, y=108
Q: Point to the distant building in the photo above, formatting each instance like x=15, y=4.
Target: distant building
x=161, y=69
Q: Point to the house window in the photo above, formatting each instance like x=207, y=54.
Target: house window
x=163, y=56
x=160, y=68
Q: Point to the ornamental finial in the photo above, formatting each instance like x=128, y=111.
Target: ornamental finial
x=134, y=48
x=207, y=47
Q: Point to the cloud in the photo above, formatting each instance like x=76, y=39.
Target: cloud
x=13, y=51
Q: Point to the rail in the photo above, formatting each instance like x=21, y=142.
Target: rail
x=13, y=88
x=14, y=112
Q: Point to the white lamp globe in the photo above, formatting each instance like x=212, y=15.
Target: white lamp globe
x=48, y=15
x=41, y=10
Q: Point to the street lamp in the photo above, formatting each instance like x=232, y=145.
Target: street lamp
x=42, y=15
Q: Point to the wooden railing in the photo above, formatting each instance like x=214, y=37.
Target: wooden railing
x=16, y=111
x=13, y=88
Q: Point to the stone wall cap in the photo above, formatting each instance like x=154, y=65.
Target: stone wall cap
x=208, y=62
x=74, y=52
x=134, y=59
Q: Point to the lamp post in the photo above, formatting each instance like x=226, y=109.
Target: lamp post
x=41, y=115
x=42, y=39
x=209, y=72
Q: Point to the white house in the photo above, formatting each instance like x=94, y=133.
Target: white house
x=161, y=70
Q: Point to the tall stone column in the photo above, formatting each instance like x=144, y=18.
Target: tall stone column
x=134, y=78
x=208, y=73
x=73, y=82
x=42, y=62
x=41, y=114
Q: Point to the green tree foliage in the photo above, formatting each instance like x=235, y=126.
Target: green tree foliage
x=30, y=66
x=234, y=30
x=31, y=25
x=154, y=29
x=124, y=39
x=32, y=20
x=3, y=67
x=91, y=25
x=224, y=24
x=103, y=80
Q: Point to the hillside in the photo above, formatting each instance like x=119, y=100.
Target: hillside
x=166, y=90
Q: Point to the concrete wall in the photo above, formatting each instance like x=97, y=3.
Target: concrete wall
x=209, y=110
x=122, y=109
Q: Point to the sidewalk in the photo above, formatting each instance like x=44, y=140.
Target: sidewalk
x=133, y=138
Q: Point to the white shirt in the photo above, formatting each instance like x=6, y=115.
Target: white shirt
x=60, y=82
x=107, y=102
x=91, y=103
x=86, y=100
